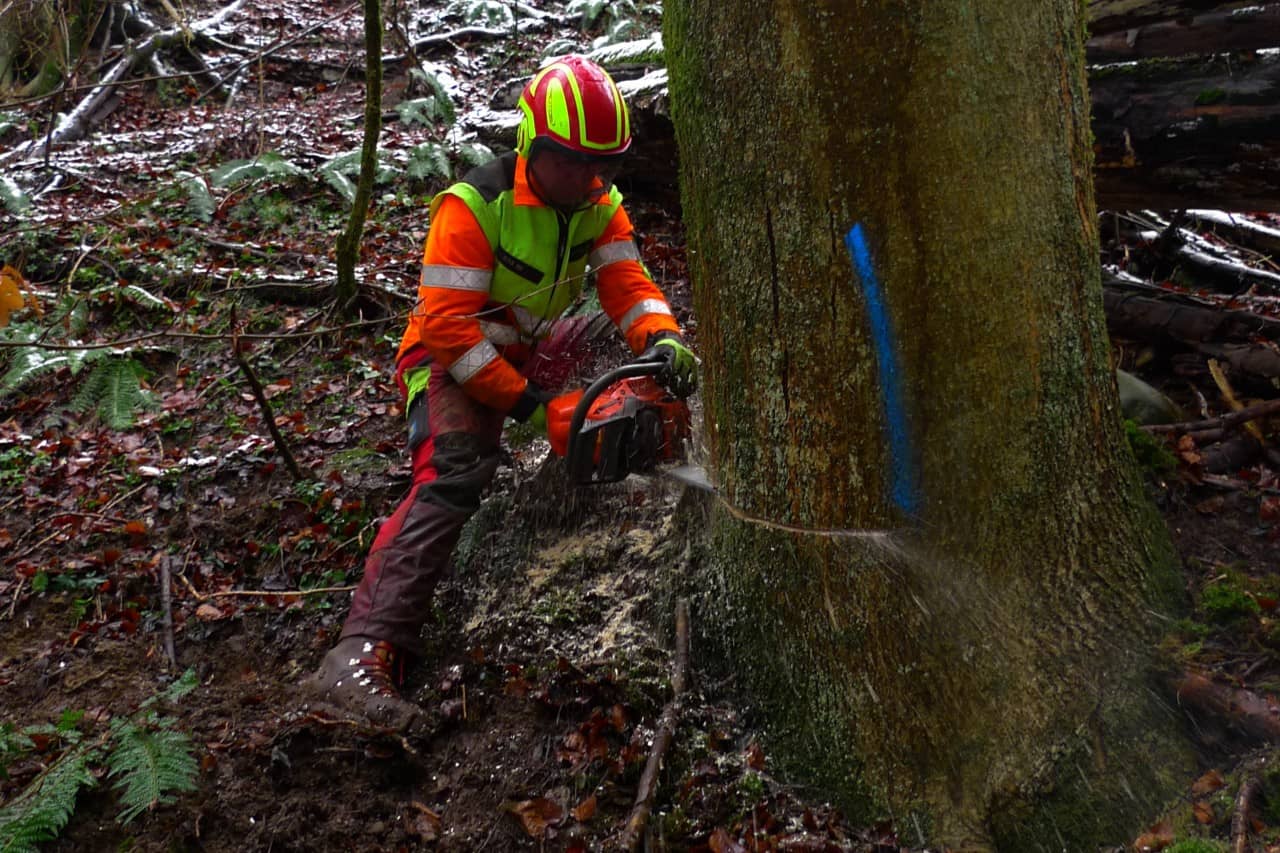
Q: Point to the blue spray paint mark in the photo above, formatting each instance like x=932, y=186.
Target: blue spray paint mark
x=904, y=491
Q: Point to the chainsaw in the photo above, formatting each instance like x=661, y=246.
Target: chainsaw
x=622, y=423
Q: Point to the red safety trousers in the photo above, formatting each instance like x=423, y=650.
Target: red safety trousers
x=451, y=469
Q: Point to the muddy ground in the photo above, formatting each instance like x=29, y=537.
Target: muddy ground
x=547, y=659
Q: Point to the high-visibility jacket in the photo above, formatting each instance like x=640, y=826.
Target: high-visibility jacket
x=500, y=266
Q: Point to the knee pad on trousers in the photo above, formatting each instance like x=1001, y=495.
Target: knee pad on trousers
x=464, y=467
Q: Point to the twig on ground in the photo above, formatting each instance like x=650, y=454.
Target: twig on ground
x=166, y=601
x=639, y=819
x=282, y=447
x=17, y=595
x=1249, y=788
x=1242, y=416
x=259, y=593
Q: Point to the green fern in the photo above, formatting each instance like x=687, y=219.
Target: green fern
x=149, y=761
x=41, y=811
x=200, y=202
x=482, y=13
x=149, y=765
x=336, y=172
x=30, y=362
x=474, y=154
x=268, y=165
x=441, y=104
x=428, y=160
x=114, y=391
x=13, y=742
x=12, y=195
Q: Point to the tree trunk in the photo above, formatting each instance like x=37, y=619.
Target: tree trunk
x=348, y=248
x=894, y=254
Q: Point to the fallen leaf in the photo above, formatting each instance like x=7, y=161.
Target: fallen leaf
x=535, y=815
x=1208, y=783
x=755, y=756
x=585, y=809
x=1203, y=812
x=1269, y=510
x=1157, y=837
x=10, y=293
x=209, y=613
x=423, y=823
x=721, y=842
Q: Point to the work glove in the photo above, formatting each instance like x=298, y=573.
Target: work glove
x=531, y=408
x=679, y=374
x=538, y=420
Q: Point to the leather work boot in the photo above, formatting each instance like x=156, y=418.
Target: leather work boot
x=358, y=678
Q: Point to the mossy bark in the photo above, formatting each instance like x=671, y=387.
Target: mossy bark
x=983, y=618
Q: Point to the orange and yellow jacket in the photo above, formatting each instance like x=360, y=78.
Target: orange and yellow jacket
x=500, y=267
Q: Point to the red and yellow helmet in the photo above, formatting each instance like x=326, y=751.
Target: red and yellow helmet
x=574, y=103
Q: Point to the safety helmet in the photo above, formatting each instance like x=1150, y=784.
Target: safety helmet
x=574, y=103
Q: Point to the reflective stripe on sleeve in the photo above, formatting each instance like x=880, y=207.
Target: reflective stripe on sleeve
x=472, y=362
x=646, y=306
x=618, y=250
x=456, y=278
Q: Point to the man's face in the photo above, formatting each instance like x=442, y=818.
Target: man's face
x=568, y=181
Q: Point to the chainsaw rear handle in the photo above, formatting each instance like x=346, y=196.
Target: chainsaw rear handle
x=626, y=371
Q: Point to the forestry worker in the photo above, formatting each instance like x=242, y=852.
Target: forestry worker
x=505, y=257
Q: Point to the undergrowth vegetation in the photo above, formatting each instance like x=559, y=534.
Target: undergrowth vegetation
x=148, y=761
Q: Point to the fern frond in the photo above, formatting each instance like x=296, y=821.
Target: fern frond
x=428, y=160
x=482, y=13
x=41, y=811
x=184, y=684
x=441, y=104
x=589, y=10
x=114, y=390
x=340, y=182
x=12, y=195
x=268, y=165
x=474, y=153
x=150, y=765
x=200, y=202
x=336, y=170
x=28, y=363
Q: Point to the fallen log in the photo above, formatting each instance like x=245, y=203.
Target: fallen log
x=1242, y=710
x=1170, y=316
x=1251, y=28
x=1242, y=232
x=1109, y=16
x=1200, y=132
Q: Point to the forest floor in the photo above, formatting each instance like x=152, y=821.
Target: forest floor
x=548, y=656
